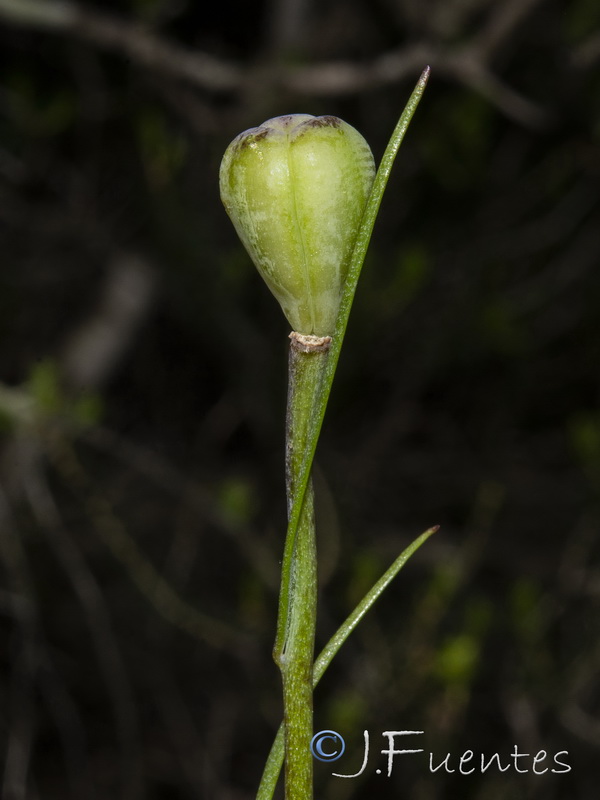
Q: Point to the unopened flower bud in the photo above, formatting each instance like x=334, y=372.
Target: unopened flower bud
x=295, y=189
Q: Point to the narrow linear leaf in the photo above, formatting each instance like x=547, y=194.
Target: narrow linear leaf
x=325, y=657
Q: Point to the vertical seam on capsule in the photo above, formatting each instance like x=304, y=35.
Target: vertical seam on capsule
x=305, y=270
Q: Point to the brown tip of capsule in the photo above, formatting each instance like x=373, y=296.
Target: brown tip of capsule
x=324, y=122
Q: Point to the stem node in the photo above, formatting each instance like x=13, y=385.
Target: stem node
x=308, y=343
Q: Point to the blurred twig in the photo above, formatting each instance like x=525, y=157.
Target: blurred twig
x=92, y=600
x=21, y=714
x=288, y=23
x=129, y=39
x=469, y=64
x=150, y=582
x=97, y=345
x=504, y=18
x=588, y=52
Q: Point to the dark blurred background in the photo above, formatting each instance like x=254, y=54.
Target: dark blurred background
x=142, y=393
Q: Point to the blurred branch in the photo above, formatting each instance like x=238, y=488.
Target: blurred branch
x=96, y=347
x=287, y=25
x=467, y=65
x=504, y=19
x=473, y=72
x=93, y=603
x=151, y=583
x=163, y=475
x=588, y=52
x=581, y=723
x=38, y=12
x=127, y=38
x=20, y=710
x=346, y=77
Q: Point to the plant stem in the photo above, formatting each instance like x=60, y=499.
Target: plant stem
x=297, y=660
x=294, y=648
x=275, y=758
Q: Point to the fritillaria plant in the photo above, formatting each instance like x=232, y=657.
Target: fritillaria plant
x=303, y=195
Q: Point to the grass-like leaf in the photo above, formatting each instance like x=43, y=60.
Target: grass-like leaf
x=325, y=657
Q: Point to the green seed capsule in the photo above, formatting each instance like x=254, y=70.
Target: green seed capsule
x=295, y=189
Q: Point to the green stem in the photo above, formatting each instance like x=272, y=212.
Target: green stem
x=298, y=600
x=297, y=661
x=275, y=759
